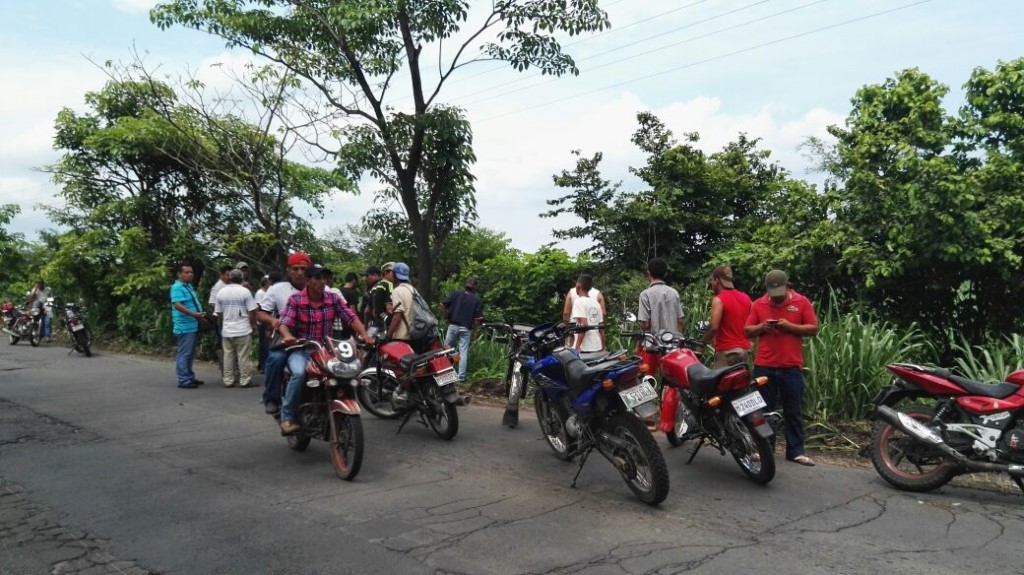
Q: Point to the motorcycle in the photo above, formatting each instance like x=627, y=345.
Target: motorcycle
x=23, y=324
x=429, y=380
x=720, y=407
x=516, y=335
x=81, y=339
x=583, y=407
x=328, y=409
x=967, y=426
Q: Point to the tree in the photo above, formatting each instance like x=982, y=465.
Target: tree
x=350, y=53
x=12, y=247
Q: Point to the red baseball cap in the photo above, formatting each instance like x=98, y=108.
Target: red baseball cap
x=299, y=259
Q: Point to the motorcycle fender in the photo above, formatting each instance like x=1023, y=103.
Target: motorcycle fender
x=893, y=394
x=347, y=405
x=760, y=424
x=373, y=371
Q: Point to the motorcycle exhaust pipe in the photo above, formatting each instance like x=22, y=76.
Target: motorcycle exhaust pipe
x=915, y=429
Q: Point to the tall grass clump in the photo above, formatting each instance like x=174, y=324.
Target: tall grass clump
x=845, y=363
x=990, y=361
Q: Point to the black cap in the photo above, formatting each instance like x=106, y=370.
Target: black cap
x=315, y=271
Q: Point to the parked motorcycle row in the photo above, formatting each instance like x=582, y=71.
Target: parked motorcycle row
x=27, y=323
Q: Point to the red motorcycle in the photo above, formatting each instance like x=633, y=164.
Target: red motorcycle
x=328, y=409
x=721, y=407
x=429, y=382
x=968, y=426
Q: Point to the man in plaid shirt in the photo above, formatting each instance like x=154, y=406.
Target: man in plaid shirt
x=309, y=315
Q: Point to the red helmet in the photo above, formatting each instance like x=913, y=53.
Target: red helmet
x=8, y=306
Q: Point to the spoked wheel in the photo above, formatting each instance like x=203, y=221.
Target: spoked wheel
x=644, y=469
x=752, y=452
x=35, y=335
x=552, y=417
x=346, y=444
x=441, y=415
x=377, y=399
x=81, y=338
x=905, y=462
x=298, y=441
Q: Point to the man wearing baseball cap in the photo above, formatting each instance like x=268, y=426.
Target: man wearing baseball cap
x=271, y=307
x=729, y=311
x=780, y=320
x=380, y=296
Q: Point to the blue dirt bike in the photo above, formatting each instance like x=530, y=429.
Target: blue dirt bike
x=583, y=407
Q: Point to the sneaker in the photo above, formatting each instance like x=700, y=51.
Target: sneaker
x=289, y=427
x=198, y=381
x=188, y=386
x=229, y=385
x=272, y=408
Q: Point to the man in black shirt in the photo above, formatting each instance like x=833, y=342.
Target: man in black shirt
x=464, y=311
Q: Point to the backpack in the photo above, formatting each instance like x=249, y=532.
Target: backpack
x=424, y=322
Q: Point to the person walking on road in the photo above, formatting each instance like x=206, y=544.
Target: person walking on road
x=464, y=310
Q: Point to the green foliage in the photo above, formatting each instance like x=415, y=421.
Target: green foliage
x=993, y=360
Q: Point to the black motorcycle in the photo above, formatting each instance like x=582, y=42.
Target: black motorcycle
x=24, y=324
x=81, y=339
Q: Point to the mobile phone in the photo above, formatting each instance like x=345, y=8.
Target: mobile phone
x=772, y=322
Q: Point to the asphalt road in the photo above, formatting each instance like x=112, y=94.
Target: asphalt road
x=106, y=467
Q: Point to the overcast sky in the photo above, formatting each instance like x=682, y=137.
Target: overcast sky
x=779, y=70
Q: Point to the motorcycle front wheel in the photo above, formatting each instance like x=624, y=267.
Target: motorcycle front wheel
x=346, y=444
x=552, y=417
x=35, y=334
x=377, y=398
x=441, y=415
x=644, y=470
x=752, y=452
x=905, y=462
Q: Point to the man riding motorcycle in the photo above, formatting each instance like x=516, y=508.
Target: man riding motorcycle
x=309, y=315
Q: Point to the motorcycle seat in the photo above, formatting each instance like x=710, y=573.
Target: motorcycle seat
x=703, y=380
x=593, y=357
x=993, y=390
x=407, y=362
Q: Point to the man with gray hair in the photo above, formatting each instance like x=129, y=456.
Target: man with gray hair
x=236, y=310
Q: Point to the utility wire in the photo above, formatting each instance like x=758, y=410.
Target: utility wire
x=706, y=60
x=634, y=56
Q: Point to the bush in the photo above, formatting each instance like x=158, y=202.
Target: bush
x=993, y=360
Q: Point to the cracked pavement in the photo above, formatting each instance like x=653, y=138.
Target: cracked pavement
x=106, y=467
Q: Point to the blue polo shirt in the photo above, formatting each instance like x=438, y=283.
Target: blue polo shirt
x=183, y=292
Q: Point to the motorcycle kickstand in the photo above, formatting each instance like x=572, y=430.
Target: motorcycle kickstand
x=695, y=450
x=408, y=415
x=583, y=461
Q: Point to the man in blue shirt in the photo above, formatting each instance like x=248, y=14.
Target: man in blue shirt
x=464, y=311
x=186, y=313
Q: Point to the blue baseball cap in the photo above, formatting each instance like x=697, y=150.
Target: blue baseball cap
x=402, y=271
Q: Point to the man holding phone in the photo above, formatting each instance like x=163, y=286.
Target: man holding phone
x=780, y=320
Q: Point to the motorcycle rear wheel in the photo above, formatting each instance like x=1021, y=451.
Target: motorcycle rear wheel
x=346, y=445
x=81, y=339
x=298, y=441
x=552, y=417
x=645, y=471
x=906, y=463
x=754, y=454
x=379, y=404
x=441, y=415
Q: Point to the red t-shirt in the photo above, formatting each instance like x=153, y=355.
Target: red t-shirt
x=778, y=348
x=735, y=310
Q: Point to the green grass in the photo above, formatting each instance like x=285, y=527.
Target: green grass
x=993, y=360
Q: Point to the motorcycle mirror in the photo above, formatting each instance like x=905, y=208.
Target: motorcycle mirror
x=703, y=325
x=629, y=316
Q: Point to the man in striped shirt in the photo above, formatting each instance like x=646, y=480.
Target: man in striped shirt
x=309, y=315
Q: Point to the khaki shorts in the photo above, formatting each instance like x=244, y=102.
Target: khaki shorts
x=730, y=357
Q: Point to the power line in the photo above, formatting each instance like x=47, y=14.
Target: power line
x=634, y=56
x=706, y=60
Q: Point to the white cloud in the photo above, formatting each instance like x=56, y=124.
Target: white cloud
x=134, y=6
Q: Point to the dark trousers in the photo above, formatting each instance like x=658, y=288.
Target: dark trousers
x=264, y=346
x=786, y=383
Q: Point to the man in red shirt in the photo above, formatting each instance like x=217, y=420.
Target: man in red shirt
x=780, y=320
x=310, y=315
x=729, y=311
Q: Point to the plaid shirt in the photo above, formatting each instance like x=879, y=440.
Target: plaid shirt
x=314, y=323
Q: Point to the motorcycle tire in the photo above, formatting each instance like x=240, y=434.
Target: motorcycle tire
x=442, y=416
x=752, y=452
x=81, y=339
x=298, y=441
x=35, y=335
x=645, y=471
x=379, y=404
x=346, y=445
x=925, y=468
x=552, y=417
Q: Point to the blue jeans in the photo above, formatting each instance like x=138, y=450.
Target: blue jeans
x=297, y=361
x=273, y=373
x=47, y=325
x=462, y=334
x=263, y=335
x=789, y=383
x=185, y=355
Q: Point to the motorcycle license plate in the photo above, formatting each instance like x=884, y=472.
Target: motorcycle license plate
x=748, y=403
x=446, y=378
x=78, y=327
x=638, y=395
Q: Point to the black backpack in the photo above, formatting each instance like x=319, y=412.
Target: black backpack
x=424, y=322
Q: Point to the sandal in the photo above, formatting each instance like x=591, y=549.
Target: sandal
x=803, y=460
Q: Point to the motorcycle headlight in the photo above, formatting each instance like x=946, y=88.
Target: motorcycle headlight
x=343, y=369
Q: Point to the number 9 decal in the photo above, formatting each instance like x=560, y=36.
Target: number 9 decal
x=345, y=350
